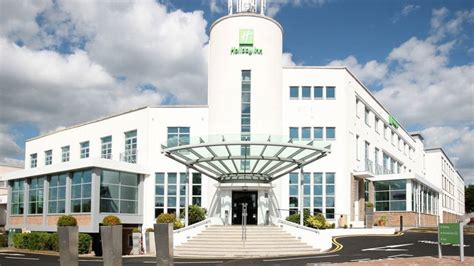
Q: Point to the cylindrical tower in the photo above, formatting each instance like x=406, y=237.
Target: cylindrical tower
x=245, y=72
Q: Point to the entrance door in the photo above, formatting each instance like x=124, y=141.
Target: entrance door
x=249, y=197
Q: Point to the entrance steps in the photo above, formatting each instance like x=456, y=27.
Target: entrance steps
x=226, y=242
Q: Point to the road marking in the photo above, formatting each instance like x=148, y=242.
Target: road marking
x=89, y=260
x=302, y=258
x=361, y=260
x=16, y=258
x=400, y=255
x=12, y=254
x=389, y=248
x=436, y=243
x=189, y=262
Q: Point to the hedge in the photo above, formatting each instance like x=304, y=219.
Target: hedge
x=48, y=241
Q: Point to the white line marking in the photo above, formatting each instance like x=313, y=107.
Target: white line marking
x=16, y=258
x=400, y=255
x=189, y=262
x=302, y=258
x=361, y=260
x=389, y=248
x=12, y=254
x=89, y=260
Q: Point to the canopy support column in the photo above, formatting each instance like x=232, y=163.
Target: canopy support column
x=300, y=196
x=186, y=204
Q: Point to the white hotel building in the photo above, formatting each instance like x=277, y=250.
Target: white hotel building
x=265, y=127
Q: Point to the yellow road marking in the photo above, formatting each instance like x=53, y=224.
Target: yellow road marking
x=339, y=246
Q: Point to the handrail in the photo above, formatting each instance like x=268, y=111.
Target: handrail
x=189, y=227
x=244, y=221
x=297, y=225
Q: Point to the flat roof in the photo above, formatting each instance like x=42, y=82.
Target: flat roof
x=430, y=150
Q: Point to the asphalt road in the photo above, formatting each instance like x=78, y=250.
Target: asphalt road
x=347, y=249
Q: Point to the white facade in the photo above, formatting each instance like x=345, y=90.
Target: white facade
x=370, y=152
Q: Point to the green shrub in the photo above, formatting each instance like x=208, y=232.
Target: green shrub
x=19, y=240
x=67, y=220
x=85, y=242
x=196, y=214
x=54, y=241
x=295, y=218
x=111, y=220
x=136, y=230
x=369, y=205
x=150, y=230
x=3, y=240
x=177, y=224
x=317, y=221
x=165, y=218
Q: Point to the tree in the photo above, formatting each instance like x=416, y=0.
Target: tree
x=469, y=198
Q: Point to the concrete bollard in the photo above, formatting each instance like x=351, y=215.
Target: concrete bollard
x=111, y=238
x=68, y=237
x=164, y=244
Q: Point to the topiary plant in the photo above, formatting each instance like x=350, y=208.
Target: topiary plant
x=150, y=230
x=317, y=221
x=165, y=218
x=136, y=230
x=196, y=214
x=369, y=205
x=67, y=220
x=111, y=220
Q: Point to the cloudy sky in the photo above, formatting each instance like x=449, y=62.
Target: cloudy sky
x=68, y=61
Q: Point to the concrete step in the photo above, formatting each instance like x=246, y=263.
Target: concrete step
x=213, y=255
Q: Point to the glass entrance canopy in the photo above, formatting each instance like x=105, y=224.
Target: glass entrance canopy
x=244, y=158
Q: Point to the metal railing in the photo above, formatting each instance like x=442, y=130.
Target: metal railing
x=369, y=166
x=244, y=221
x=129, y=156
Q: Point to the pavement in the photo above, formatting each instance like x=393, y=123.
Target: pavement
x=409, y=248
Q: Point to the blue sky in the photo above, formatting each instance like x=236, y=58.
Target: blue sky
x=66, y=62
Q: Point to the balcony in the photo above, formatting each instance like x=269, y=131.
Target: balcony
x=129, y=156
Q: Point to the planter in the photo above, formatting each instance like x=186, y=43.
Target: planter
x=111, y=238
x=369, y=216
x=164, y=243
x=137, y=239
x=68, y=238
x=150, y=243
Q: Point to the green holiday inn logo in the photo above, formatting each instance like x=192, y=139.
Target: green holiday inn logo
x=246, y=44
x=246, y=37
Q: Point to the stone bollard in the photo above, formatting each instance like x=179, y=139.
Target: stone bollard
x=150, y=242
x=111, y=238
x=68, y=238
x=164, y=244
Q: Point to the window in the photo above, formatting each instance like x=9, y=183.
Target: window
x=130, y=155
x=330, y=92
x=394, y=139
x=178, y=136
x=65, y=154
x=33, y=160
x=307, y=191
x=57, y=194
x=118, y=192
x=385, y=131
x=357, y=147
x=318, y=133
x=318, y=92
x=197, y=189
x=390, y=195
x=330, y=194
x=366, y=117
x=377, y=122
x=84, y=149
x=318, y=193
x=246, y=104
x=106, y=147
x=293, y=193
x=366, y=149
x=81, y=191
x=305, y=133
x=294, y=93
x=48, y=157
x=357, y=108
x=36, y=195
x=17, y=197
x=306, y=93
x=330, y=133
x=294, y=133
x=159, y=193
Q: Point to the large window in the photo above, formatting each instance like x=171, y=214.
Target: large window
x=294, y=133
x=367, y=116
x=118, y=192
x=81, y=191
x=245, y=115
x=159, y=193
x=84, y=149
x=36, y=195
x=178, y=136
x=294, y=92
x=17, y=198
x=390, y=195
x=131, y=141
x=33, y=160
x=170, y=192
x=197, y=189
x=330, y=133
x=48, y=157
x=106, y=147
x=305, y=133
x=318, y=193
x=65, y=154
x=318, y=133
x=57, y=194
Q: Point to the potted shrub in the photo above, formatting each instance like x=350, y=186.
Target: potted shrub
x=111, y=238
x=150, y=241
x=136, y=237
x=68, y=235
x=382, y=220
x=369, y=214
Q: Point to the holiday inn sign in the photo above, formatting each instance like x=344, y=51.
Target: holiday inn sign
x=246, y=44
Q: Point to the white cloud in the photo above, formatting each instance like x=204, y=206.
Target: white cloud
x=409, y=9
x=217, y=6
x=369, y=72
x=287, y=60
x=274, y=6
